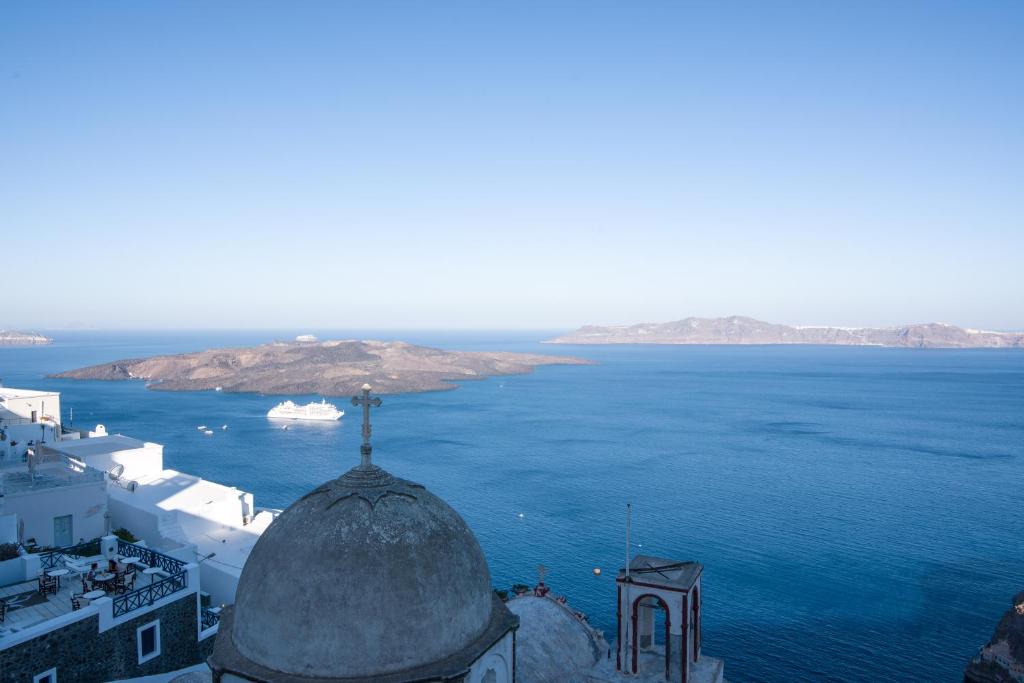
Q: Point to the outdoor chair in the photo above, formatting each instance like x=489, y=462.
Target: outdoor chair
x=119, y=584
x=3, y=610
x=47, y=584
x=76, y=604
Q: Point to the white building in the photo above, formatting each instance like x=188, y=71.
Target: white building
x=182, y=515
x=192, y=518
x=136, y=458
x=51, y=501
x=27, y=417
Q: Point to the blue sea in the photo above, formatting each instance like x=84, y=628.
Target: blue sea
x=858, y=510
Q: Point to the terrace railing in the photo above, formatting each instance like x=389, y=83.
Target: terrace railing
x=51, y=559
x=209, y=618
x=150, y=557
x=147, y=595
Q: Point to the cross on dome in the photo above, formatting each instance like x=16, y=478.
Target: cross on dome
x=365, y=401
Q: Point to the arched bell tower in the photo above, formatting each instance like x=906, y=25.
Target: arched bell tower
x=650, y=590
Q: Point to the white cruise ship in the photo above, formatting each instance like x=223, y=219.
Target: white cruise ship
x=311, y=411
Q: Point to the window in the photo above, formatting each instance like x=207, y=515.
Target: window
x=46, y=677
x=148, y=640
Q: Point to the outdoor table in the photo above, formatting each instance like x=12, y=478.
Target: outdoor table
x=130, y=560
x=92, y=595
x=57, y=573
x=151, y=571
x=104, y=579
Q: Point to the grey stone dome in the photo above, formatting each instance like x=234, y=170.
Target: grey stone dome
x=365, y=576
x=552, y=644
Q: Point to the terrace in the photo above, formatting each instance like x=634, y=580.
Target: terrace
x=156, y=576
x=44, y=471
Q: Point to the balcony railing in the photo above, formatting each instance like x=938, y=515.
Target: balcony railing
x=52, y=559
x=147, y=595
x=209, y=618
x=150, y=557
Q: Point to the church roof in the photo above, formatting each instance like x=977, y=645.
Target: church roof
x=552, y=644
x=672, y=573
x=367, y=577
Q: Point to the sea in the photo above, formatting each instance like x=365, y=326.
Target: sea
x=858, y=511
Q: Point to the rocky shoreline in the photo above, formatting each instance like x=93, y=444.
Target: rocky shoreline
x=1001, y=659
x=329, y=368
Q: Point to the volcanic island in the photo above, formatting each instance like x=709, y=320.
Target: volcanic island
x=327, y=368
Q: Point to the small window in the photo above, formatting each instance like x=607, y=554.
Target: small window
x=148, y=640
x=46, y=677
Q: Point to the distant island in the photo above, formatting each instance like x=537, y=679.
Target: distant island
x=328, y=368
x=13, y=338
x=741, y=330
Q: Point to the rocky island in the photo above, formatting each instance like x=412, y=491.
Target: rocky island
x=1001, y=660
x=12, y=338
x=328, y=368
x=741, y=330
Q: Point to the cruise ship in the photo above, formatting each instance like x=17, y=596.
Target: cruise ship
x=311, y=411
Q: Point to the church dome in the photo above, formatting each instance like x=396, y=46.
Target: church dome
x=366, y=576
x=552, y=644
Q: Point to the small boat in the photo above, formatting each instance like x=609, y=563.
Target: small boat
x=284, y=427
x=224, y=427
x=218, y=388
x=208, y=432
x=201, y=428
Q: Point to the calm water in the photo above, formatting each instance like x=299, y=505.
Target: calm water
x=858, y=510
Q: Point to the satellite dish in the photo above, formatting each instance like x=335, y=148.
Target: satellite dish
x=115, y=472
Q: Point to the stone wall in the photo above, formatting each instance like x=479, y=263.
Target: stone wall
x=82, y=654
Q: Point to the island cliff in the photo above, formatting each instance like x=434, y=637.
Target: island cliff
x=12, y=338
x=742, y=330
x=1001, y=660
x=329, y=368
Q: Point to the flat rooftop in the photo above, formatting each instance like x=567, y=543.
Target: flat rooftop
x=96, y=445
x=675, y=573
x=11, y=392
x=46, y=477
x=173, y=490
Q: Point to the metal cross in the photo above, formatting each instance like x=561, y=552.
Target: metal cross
x=365, y=401
x=541, y=571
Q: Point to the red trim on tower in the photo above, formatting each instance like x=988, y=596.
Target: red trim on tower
x=684, y=674
x=633, y=643
x=696, y=624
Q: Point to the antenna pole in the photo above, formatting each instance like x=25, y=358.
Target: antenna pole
x=629, y=511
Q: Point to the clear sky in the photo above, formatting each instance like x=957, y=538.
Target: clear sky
x=510, y=165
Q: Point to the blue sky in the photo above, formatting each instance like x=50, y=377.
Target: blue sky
x=510, y=165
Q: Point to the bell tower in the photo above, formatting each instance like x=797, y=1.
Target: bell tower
x=650, y=590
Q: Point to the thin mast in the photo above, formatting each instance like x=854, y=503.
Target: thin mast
x=629, y=510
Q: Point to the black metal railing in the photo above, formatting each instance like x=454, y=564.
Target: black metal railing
x=150, y=557
x=147, y=595
x=50, y=559
x=209, y=618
